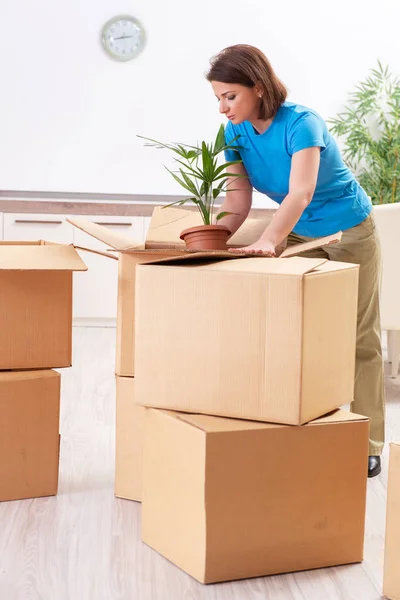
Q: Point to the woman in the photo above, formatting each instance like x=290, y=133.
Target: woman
x=289, y=155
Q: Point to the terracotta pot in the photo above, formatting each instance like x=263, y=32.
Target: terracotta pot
x=206, y=237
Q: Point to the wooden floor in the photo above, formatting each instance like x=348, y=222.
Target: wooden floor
x=85, y=545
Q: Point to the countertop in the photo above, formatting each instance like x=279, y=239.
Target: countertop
x=137, y=205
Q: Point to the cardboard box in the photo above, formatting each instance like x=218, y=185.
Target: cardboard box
x=391, y=578
x=254, y=338
x=128, y=442
x=29, y=434
x=162, y=241
x=36, y=304
x=226, y=499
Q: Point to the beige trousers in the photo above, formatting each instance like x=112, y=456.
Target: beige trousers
x=361, y=245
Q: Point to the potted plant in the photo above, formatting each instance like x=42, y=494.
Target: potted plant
x=200, y=174
x=370, y=126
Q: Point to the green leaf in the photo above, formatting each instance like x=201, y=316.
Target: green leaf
x=182, y=183
x=232, y=175
x=205, y=214
x=219, y=169
x=207, y=161
x=224, y=213
x=179, y=202
x=193, y=171
x=216, y=191
x=190, y=185
x=219, y=140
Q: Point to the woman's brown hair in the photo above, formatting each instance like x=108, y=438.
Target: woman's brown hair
x=248, y=66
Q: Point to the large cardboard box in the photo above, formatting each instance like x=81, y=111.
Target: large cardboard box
x=36, y=304
x=162, y=241
x=226, y=499
x=29, y=434
x=253, y=338
x=128, y=441
x=391, y=579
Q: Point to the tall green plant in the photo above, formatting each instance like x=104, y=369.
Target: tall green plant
x=200, y=174
x=370, y=124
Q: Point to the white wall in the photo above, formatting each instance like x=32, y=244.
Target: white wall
x=69, y=115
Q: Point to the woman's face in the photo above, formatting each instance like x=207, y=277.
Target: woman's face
x=237, y=102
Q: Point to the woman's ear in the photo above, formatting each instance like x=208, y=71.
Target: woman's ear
x=259, y=91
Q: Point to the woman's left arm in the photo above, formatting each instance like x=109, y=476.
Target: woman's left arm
x=303, y=179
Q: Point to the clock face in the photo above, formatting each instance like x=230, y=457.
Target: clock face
x=123, y=37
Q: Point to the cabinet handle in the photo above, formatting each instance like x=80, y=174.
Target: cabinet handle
x=119, y=224
x=39, y=222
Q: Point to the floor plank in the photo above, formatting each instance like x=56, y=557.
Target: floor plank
x=85, y=545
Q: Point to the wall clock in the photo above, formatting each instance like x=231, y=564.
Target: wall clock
x=123, y=37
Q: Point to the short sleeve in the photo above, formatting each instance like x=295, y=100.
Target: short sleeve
x=306, y=131
x=230, y=134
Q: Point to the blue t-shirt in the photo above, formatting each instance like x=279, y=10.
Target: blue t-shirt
x=338, y=203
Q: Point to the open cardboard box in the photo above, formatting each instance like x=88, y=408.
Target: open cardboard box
x=36, y=304
x=162, y=241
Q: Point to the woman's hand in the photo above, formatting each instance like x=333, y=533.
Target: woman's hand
x=264, y=247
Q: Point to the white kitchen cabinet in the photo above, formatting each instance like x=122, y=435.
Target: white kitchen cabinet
x=95, y=291
x=27, y=227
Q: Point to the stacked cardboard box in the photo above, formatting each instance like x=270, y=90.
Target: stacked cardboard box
x=270, y=342
x=228, y=499
x=162, y=241
x=239, y=367
x=36, y=336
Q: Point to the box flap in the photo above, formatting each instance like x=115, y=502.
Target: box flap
x=167, y=224
x=317, y=243
x=40, y=258
x=117, y=241
x=210, y=424
x=251, y=230
x=99, y=252
x=243, y=264
x=165, y=253
x=338, y=416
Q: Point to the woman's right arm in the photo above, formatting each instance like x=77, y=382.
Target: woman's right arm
x=237, y=200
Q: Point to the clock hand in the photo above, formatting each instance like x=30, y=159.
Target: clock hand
x=124, y=37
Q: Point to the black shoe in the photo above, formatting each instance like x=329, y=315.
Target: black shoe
x=374, y=465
